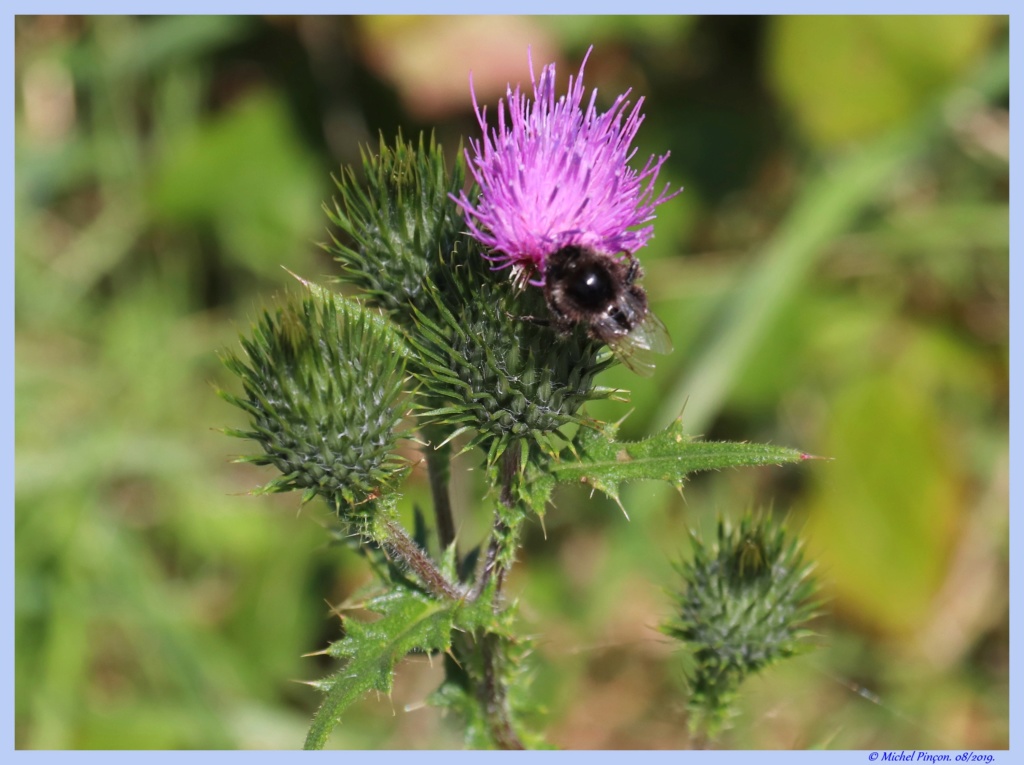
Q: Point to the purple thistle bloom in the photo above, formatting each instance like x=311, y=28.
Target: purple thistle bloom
x=553, y=174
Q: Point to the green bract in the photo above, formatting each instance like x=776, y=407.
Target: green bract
x=323, y=381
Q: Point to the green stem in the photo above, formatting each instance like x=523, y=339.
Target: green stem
x=439, y=470
x=490, y=689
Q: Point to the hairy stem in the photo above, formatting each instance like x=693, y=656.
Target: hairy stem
x=508, y=518
x=400, y=544
x=492, y=691
x=509, y=472
x=490, y=563
x=493, y=695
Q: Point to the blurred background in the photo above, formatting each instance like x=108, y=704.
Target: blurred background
x=835, y=278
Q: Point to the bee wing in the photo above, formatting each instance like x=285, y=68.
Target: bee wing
x=636, y=350
x=651, y=335
x=637, y=360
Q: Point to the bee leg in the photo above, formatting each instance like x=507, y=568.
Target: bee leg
x=633, y=271
x=560, y=323
x=538, y=320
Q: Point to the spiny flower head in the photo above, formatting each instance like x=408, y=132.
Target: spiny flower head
x=481, y=369
x=397, y=224
x=555, y=172
x=323, y=387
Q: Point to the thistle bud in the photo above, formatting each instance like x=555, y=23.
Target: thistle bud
x=398, y=223
x=323, y=382
x=742, y=607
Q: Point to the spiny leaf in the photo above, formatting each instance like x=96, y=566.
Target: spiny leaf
x=605, y=463
x=410, y=621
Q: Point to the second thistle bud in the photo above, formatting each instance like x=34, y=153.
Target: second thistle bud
x=742, y=608
x=323, y=381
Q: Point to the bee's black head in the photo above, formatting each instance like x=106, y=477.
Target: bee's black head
x=584, y=277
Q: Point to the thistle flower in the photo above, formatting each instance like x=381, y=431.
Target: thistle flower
x=554, y=174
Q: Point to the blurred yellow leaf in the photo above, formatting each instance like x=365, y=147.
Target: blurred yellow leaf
x=883, y=517
x=852, y=77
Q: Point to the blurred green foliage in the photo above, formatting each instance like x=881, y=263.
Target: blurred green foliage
x=835, y=278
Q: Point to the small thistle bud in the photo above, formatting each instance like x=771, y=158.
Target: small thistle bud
x=399, y=224
x=322, y=381
x=743, y=603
